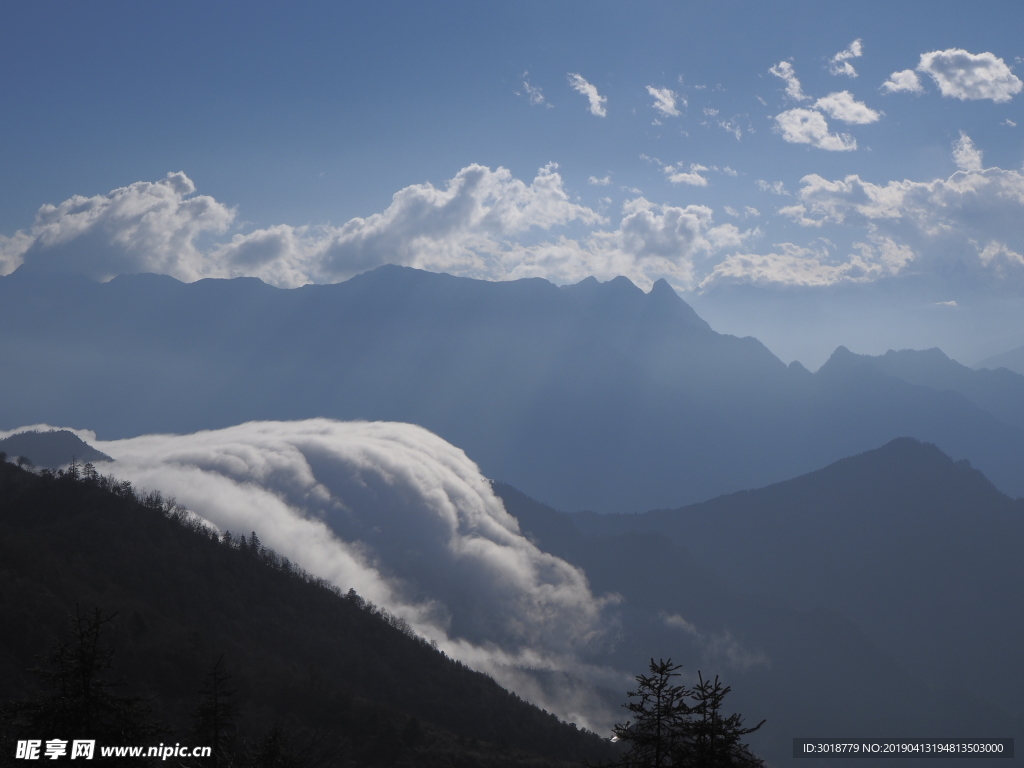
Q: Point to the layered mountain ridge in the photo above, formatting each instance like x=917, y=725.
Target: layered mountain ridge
x=592, y=396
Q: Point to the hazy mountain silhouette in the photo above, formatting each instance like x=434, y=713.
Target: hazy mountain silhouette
x=595, y=395
x=1013, y=360
x=1000, y=391
x=920, y=553
x=883, y=593
x=51, y=449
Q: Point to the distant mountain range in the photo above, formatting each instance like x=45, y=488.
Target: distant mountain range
x=591, y=396
x=883, y=593
x=1013, y=360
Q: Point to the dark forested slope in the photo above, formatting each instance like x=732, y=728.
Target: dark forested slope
x=301, y=654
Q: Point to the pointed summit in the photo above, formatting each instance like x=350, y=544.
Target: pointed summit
x=663, y=298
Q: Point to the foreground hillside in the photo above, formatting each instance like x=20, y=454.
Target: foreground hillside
x=302, y=655
x=590, y=396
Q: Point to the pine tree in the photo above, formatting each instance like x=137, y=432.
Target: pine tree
x=660, y=713
x=79, y=699
x=710, y=739
x=213, y=719
x=667, y=730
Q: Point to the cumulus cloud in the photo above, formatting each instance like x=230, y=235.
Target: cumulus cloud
x=905, y=81
x=477, y=225
x=464, y=228
x=808, y=126
x=408, y=521
x=967, y=156
x=651, y=242
x=842, y=106
x=665, y=100
x=596, y=100
x=785, y=71
x=677, y=175
x=144, y=227
x=970, y=221
x=964, y=75
x=840, y=63
x=604, y=181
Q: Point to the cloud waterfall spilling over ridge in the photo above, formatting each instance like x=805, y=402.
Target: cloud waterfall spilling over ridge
x=408, y=521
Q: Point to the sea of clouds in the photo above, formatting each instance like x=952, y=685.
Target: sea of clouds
x=409, y=522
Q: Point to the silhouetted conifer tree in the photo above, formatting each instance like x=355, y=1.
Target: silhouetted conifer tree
x=711, y=739
x=79, y=700
x=667, y=730
x=213, y=719
x=659, y=714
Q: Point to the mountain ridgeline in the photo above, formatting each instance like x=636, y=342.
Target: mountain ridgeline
x=591, y=396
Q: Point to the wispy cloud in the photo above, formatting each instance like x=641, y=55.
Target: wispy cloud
x=665, y=100
x=596, y=100
x=840, y=63
x=785, y=71
x=534, y=94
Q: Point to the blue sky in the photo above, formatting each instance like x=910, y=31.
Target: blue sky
x=750, y=153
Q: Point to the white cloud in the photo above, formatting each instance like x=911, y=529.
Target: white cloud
x=905, y=81
x=144, y=227
x=801, y=266
x=966, y=156
x=971, y=221
x=775, y=187
x=732, y=126
x=808, y=126
x=596, y=100
x=842, y=106
x=677, y=175
x=12, y=251
x=840, y=63
x=535, y=95
x=652, y=241
x=785, y=71
x=463, y=228
x=665, y=100
x=602, y=182
x=1009, y=122
x=482, y=223
x=408, y=521
x=964, y=75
